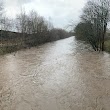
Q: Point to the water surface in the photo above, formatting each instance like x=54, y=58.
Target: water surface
x=62, y=75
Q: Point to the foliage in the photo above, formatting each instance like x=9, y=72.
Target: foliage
x=94, y=22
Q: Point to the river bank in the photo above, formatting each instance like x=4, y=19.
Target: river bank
x=10, y=46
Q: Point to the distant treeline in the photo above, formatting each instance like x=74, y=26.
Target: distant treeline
x=8, y=37
x=28, y=29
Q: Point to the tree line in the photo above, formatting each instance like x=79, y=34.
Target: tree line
x=32, y=28
x=93, y=25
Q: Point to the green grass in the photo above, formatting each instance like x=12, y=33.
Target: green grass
x=107, y=45
x=8, y=49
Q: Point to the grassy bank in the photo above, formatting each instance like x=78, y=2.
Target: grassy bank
x=8, y=49
x=107, y=45
x=14, y=45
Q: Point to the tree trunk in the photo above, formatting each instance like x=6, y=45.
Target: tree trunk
x=103, y=37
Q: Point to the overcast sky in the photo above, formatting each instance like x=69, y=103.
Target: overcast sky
x=60, y=12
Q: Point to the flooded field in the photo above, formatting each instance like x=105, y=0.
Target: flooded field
x=63, y=75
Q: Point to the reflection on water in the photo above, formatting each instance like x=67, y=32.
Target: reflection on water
x=63, y=75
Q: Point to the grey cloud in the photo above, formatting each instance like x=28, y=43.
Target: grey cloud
x=23, y=1
x=61, y=11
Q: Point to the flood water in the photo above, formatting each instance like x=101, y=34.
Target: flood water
x=62, y=75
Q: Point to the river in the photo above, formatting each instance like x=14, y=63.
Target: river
x=62, y=75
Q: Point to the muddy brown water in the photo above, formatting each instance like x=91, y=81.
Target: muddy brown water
x=62, y=75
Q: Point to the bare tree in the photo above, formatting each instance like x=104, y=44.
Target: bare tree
x=21, y=22
x=97, y=12
x=1, y=13
x=1, y=9
x=6, y=24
